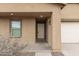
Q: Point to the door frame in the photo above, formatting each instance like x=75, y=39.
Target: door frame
x=45, y=31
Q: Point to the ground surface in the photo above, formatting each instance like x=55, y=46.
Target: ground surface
x=45, y=50
x=39, y=49
x=70, y=49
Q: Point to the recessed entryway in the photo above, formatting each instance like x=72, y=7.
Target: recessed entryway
x=41, y=30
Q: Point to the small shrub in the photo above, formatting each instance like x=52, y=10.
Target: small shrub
x=7, y=48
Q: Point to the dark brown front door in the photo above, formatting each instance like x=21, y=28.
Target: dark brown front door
x=41, y=31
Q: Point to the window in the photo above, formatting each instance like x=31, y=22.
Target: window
x=15, y=28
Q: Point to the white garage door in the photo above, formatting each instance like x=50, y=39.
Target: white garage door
x=70, y=32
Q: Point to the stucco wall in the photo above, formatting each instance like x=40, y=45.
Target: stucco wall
x=55, y=21
x=28, y=30
x=56, y=30
x=27, y=7
x=4, y=27
x=70, y=12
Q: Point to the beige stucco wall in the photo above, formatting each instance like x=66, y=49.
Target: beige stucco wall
x=4, y=27
x=70, y=12
x=28, y=7
x=28, y=30
x=29, y=24
x=56, y=30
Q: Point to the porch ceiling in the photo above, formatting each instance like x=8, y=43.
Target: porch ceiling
x=26, y=14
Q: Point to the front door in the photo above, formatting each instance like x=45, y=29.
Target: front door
x=41, y=31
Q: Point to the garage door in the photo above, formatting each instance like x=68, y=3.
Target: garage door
x=70, y=32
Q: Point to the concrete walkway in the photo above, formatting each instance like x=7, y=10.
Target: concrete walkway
x=43, y=54
x=44, y=50
x=37, y=47
x=70, y=49
x=40, y=49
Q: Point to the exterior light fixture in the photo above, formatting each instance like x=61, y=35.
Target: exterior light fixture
x=11, y=13
x=41, y=16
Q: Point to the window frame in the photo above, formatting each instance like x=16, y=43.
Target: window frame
x=14, y=19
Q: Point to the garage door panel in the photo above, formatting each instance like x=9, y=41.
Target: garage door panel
x=70, y=32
